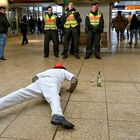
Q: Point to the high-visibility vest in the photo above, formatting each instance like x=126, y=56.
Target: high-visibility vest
x=94, y=20
x=70, y=21
x=50, y=23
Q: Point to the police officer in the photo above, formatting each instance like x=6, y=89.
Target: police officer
x=50, y=30
x=94, y=25
x=46, y=85
x=71, y=20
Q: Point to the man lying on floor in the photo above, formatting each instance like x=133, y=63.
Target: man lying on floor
x=47, y=85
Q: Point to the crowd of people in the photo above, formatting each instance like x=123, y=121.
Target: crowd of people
x=131, y=24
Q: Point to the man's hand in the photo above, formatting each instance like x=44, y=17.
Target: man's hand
x=74, y=82
x=34, y=79
x=76, y=14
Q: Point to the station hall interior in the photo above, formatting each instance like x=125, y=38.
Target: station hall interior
x=109, y=112
x=17, y=9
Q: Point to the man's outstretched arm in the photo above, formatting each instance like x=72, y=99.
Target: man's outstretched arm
x=73, y=84
x=34, y=78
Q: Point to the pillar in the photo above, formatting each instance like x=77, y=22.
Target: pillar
x=4, y=3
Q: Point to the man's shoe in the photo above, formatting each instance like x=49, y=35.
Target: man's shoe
x=98, y=57
x=60, y=120
x=26, y=42
x=2, y=58
x=65, y=56
x=56, y=55
x=71, y=52
x=46, y=56
x=62, y=53
x=87, y=57
x=77, y=56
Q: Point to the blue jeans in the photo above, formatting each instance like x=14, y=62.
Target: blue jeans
x=135, y=32
x=2, y=44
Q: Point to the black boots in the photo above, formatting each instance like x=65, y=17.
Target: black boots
x=2, y=58
x=87, y=57
x=77, y=56
x=60, y=120
x=65, y=56
x=98, y=56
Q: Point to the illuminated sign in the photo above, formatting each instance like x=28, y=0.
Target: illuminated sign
x=132, y=7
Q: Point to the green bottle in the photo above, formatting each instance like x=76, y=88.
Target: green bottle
x=99, y=79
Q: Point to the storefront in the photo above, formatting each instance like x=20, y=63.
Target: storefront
x=35, y=10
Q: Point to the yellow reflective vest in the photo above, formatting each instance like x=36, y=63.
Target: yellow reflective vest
x=70, y=21
x=94, y=19
x=50, y=23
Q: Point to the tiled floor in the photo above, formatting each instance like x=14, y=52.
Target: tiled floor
x=110, y=112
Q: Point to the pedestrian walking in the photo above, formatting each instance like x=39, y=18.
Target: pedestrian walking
x=134, y=27
x=24, y=29
x=119, y=24
x=129, y=17
x=32, y=25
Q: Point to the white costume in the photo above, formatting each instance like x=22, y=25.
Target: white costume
x=48, y=85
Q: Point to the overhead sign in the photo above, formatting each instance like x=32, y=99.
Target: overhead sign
x=92, y=1
x=132, y=7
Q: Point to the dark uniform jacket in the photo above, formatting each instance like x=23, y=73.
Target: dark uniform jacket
x=98, y=28
x=69, y=12
x=4, y=24
x=24, y=26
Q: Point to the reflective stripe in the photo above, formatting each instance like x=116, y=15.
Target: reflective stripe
x=50, y=23
x=70, y=21
x=94, y=20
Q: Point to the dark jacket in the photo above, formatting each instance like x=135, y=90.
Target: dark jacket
x=32, y=23
x=119, y=23
x=134, y=24
x=24, y=26
x=69, y=12
x=98, y=28
x=4, y=24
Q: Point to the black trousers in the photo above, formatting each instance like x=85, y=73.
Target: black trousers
x=72, y=45
x=51, y=35
x=24, y=39
x=71, y=33
x=93, y=39
x=120, y=35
